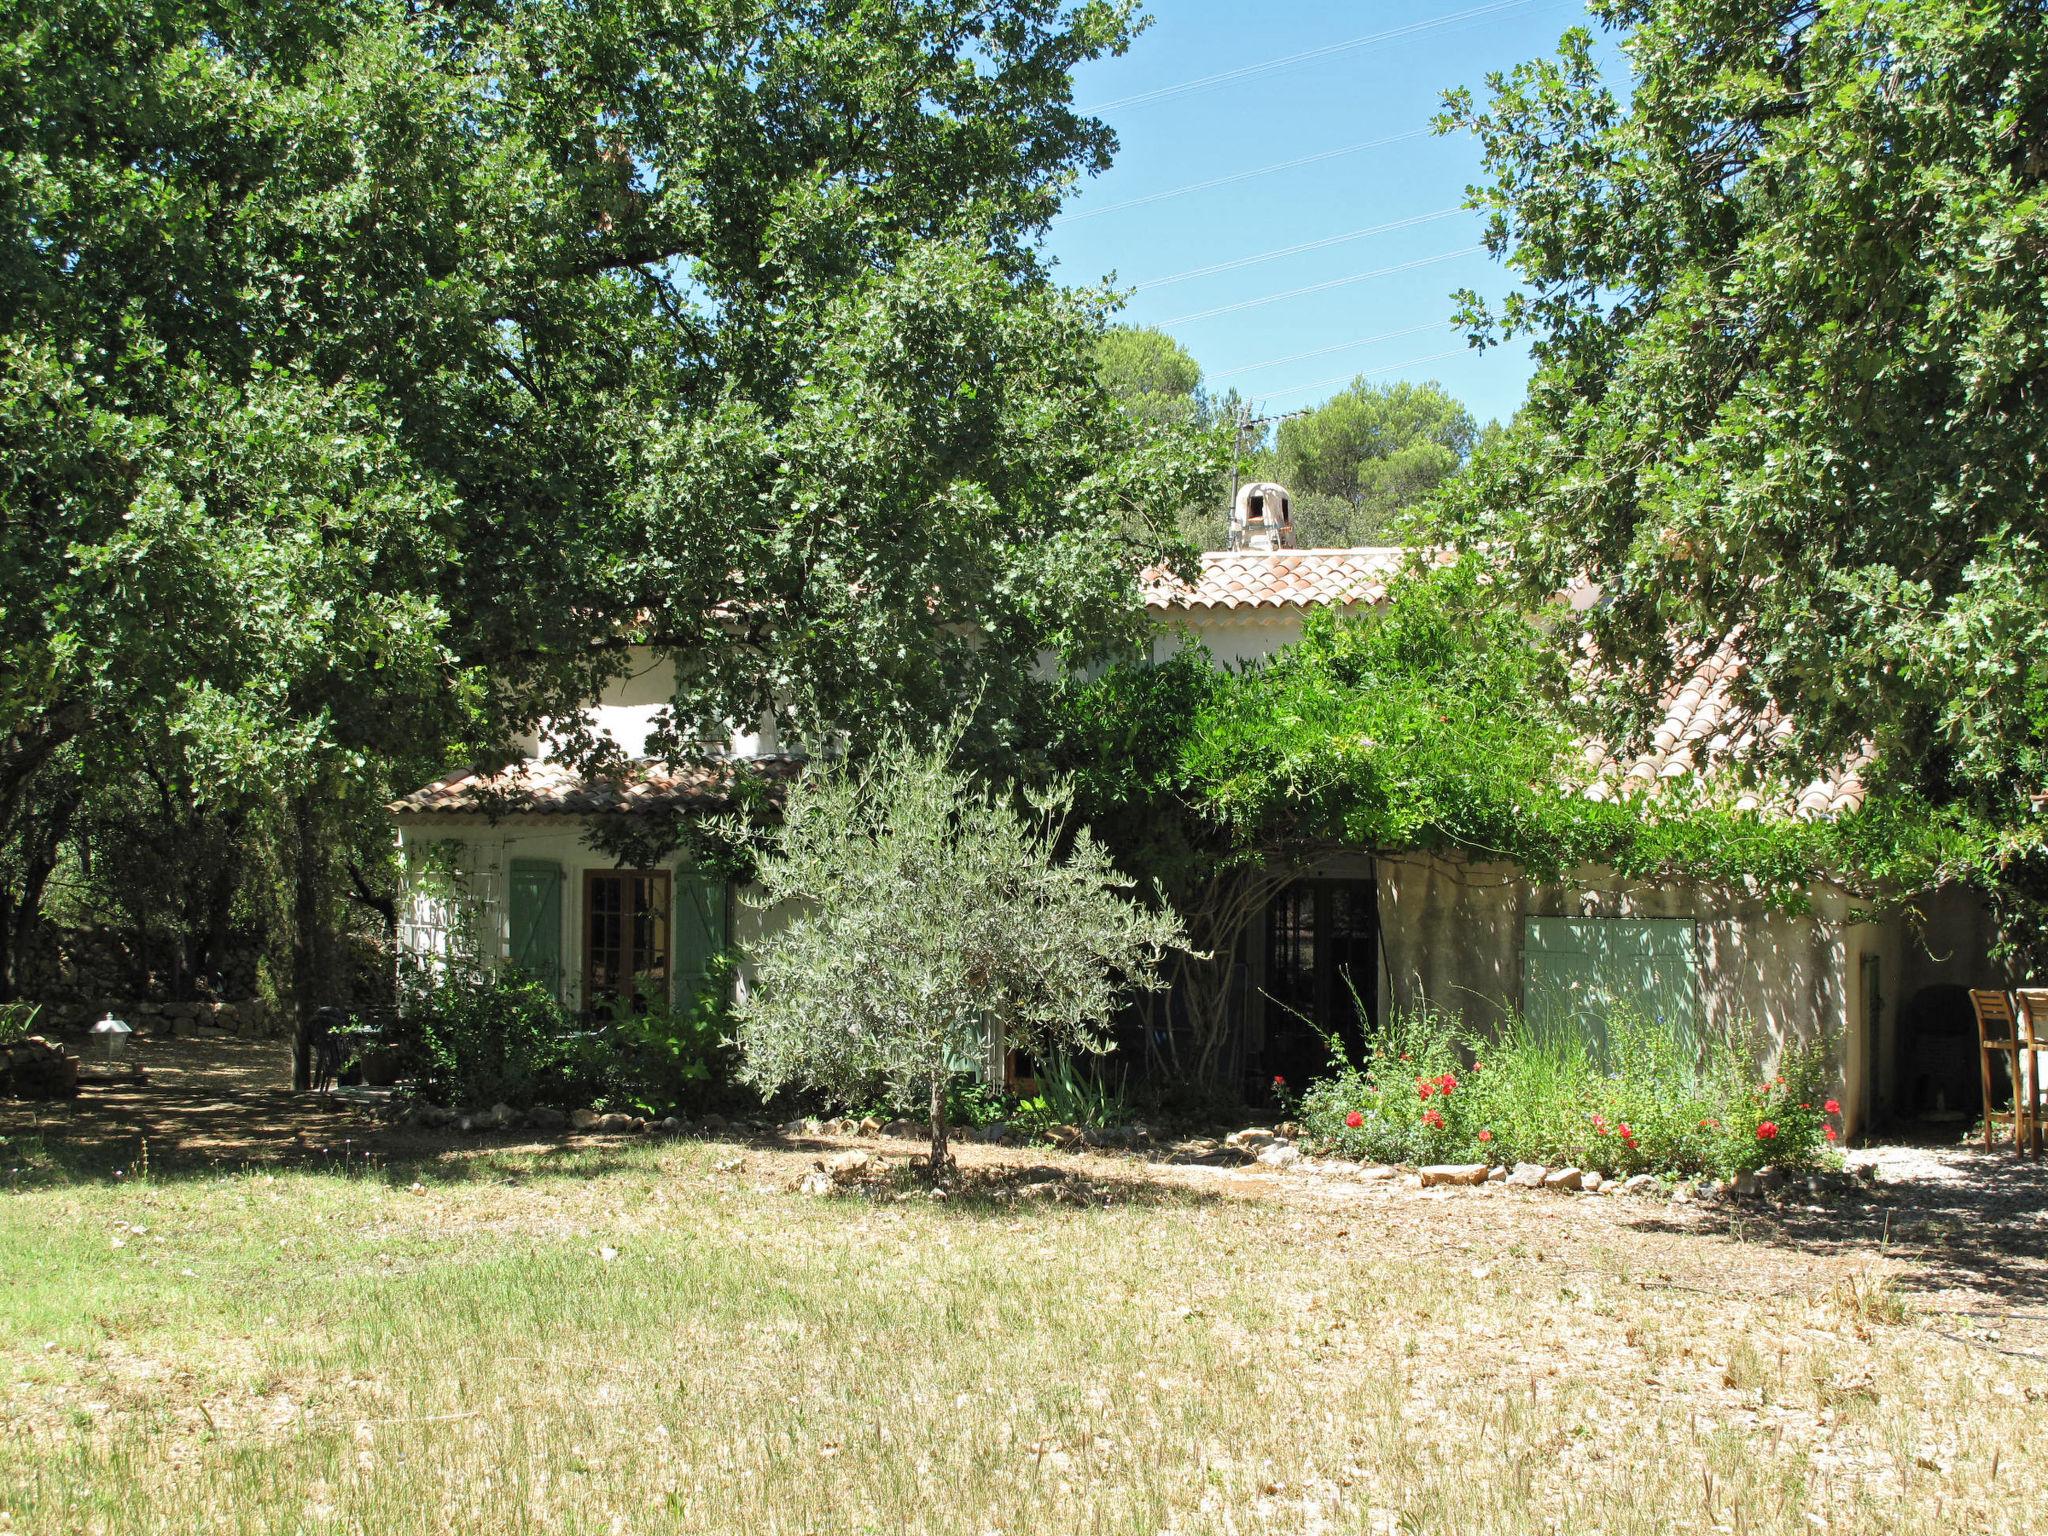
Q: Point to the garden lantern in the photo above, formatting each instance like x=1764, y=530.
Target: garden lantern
x=111, y=1036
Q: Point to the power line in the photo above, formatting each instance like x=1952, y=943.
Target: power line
x=1234, y=178
x=1370, y=373
x=1296, y=250
x=1342, y=346
x=1335, y=282
x=1251, y=71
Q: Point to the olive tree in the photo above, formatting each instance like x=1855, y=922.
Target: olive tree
x=922, y=919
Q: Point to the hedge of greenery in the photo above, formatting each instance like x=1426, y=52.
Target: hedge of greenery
x=1644, y=1101
x=474, y=1037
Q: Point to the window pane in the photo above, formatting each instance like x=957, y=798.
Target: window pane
x=607, y=935
x=650, y=935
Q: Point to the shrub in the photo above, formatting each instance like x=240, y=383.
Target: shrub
x=666, y=1059
x=1650, y=1102
x=1073, y=1093
x=971, y=1100
x=1401, y=1104
x=488, y=1036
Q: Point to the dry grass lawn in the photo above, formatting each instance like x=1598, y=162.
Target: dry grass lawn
x=666, y=1337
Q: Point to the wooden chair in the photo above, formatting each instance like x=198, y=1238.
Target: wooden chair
x=2030, y=1006
x=1998, y=1035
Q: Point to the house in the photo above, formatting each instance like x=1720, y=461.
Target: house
x=501, y=866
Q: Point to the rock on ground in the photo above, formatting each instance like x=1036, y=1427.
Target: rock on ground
x=1453, y=1173
x=36, y=1068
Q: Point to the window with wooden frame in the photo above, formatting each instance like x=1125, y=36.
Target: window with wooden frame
x=626, y=951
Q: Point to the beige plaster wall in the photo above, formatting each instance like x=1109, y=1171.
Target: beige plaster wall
x=1453, y=936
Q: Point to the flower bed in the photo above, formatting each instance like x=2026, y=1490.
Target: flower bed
x=1430, y=1092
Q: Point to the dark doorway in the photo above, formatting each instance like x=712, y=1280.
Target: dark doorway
x=1322, y=980
x=1938, y=1077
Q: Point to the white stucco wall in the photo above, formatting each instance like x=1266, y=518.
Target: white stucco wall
x=632, y=702
x=435, y=925
x=1236, y=637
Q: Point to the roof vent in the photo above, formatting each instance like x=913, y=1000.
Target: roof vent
x=1263, y=518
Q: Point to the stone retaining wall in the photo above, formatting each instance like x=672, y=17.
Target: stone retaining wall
x=253, y=1018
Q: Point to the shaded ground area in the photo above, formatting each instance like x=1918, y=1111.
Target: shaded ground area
x=196, y=1102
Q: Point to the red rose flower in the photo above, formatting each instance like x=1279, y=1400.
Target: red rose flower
x=1432, y=1119
x=1768, y=1131
x=1424, y=1090
x=1279, y=1081
x=1486, y=1135
x=1833, y=1106
x=1831, y=1132
x=1354, y=1119
x=1446, y=1083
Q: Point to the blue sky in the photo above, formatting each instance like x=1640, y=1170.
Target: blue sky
x=1380, y=93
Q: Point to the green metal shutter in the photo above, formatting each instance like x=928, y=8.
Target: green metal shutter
x=700, y=931
x=1577, y=972
x=536, y=911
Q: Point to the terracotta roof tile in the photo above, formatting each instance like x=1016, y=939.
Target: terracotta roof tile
x=546, y=788
x=1285, y=578
x=1705, y=728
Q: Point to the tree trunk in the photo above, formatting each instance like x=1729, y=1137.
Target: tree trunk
x=22, y=918
x=941, y=1159
x=1217, y=915
x=212, y=939
x=308, y=935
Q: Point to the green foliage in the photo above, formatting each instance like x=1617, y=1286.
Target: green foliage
x=1790, y=339
x=667, y=1060
x=1158, y=384
x=1440, y=721
x=971, y=1100
x=1423, y=724
x=1075, y=1092
x=1149, y=373
x=489, y=1036
x=930, y=918
x=369, y=377
x=1375, y=450
x=1432, y=1091
x=17, y=1021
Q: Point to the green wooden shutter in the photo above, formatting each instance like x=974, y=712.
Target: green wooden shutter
x=1577, y=972
x=700, y=934
x=536, y=911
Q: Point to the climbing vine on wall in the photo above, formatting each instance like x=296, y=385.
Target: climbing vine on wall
x=1450, y=720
